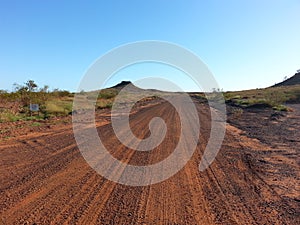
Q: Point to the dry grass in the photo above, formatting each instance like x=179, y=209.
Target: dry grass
x=274, y=97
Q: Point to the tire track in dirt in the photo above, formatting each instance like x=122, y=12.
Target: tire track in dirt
x=34, y=182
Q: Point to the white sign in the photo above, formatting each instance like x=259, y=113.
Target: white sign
x=34, y=107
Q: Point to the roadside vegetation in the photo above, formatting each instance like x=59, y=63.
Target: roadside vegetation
x=273, y=97
x=15, y=106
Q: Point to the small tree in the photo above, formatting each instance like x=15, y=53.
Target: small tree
x=31, y=85
x=25, y=92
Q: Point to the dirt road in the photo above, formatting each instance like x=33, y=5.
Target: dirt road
x=45, y=180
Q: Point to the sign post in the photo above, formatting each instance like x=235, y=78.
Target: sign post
x=34, y=108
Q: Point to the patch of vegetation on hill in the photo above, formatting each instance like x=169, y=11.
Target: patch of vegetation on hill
x=273, y=97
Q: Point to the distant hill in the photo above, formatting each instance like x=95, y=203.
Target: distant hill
x=130, y=86
x=290, y=81
x=122, y=84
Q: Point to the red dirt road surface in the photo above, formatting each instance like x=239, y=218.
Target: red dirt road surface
x=45, y=179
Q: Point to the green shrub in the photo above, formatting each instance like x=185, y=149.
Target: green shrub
x=282, y=108
x=104, y=104
x=107, y=94
x=8, y=116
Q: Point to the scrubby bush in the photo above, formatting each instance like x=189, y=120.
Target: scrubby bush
x=58, y=108
x=7, y=115
x=107, y=94
x=61, y=93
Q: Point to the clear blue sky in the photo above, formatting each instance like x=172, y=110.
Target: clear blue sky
x=246, y=44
